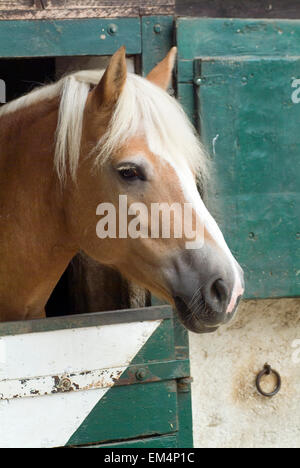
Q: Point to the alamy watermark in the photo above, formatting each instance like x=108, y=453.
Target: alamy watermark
x=160, y=220
x=2, y=92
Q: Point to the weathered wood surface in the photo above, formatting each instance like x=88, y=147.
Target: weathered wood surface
x=102, y=357
x=288, y=9
x=59, y=9
x=60, y=38
x=247, y=69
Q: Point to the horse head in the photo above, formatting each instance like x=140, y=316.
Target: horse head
x=135, y=156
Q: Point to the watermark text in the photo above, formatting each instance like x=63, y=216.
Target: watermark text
x=159, y=221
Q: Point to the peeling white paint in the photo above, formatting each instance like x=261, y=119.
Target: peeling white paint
x=214, y=144
x=50, y=421
x=49, y=385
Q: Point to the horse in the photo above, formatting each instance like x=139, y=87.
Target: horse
x=87, y=140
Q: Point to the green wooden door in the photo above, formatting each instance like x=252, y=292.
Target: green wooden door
x=242, y=92
x=150, y=404
x=117, y=379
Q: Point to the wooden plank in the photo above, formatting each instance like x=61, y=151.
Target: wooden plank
x=85, y=320
x=105, y=378
x=185, y=433
x=80, y=13
x=186, y=97
x=254, y=140
x=239, y=8
x=150, y=409
x=58, y=4
x=160, y=346
x=157, y=39
x=155, y=372
x=209, y=37
x=166, y=442
x=57, y=9
x=16, y=4
x=152, y=9
x=68, y=38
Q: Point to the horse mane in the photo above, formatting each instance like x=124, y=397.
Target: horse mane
x=142, y=108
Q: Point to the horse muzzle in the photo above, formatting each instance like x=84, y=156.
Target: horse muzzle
x=206, y=290
x=200, y=317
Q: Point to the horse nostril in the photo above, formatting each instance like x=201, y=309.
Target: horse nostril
x=219, y=291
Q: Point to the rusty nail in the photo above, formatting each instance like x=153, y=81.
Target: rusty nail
x=65, y=384
x=141, y=374
x=183, y=384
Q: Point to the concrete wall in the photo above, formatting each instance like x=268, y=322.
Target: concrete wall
x=227, y=409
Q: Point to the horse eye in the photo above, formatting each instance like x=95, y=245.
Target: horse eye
x=131, y=173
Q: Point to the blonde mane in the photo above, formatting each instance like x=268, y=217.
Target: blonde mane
x=142, y=108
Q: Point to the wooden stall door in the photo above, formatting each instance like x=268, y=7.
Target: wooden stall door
x=239, y=81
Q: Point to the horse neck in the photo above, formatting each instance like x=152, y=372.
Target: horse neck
x=35, y=246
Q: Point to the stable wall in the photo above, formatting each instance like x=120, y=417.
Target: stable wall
x=227, y=409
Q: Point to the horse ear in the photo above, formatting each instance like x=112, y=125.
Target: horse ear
x=161, y=74
x=112, y=82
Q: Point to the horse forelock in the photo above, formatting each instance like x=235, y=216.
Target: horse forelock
x=142, y=109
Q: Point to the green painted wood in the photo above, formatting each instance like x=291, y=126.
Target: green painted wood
x=186, y=97
x=148, y=442
x=155, y=372
x=135, y=408
x=185, y=433
x=86, y=320
x=131, y=411
x=212, y=37
x=157, y=39
x=245, y=108
x=160, y=346
x=181, y=338
x=257, y=167
x=67, y=38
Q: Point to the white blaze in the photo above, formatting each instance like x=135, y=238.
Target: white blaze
x=192, y=196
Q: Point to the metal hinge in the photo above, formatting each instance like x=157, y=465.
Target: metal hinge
x=184, y=384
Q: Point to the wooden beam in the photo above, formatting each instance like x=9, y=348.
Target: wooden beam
x=66, y=38
x=285, y=9
x=77, y=9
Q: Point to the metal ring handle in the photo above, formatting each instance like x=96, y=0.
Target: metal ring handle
x=267, y=370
